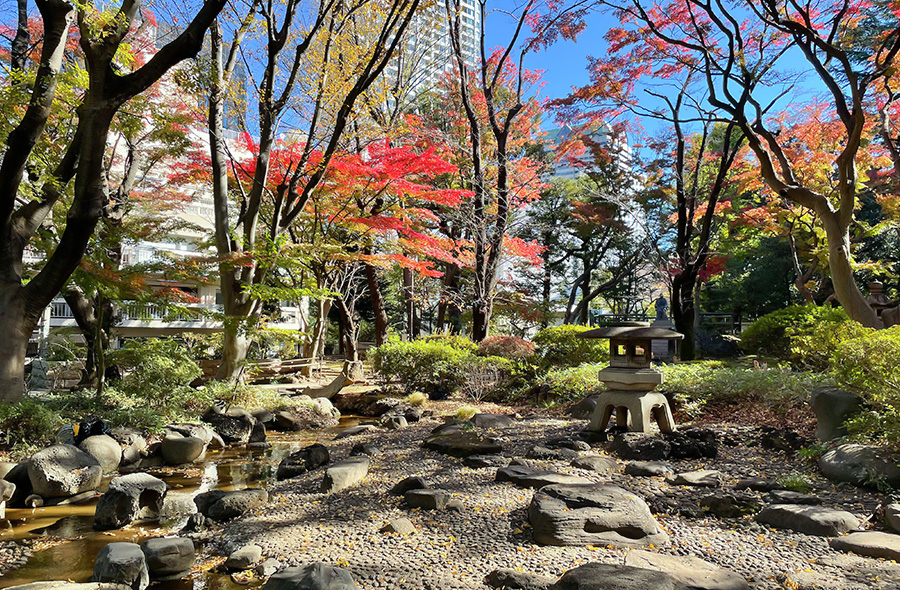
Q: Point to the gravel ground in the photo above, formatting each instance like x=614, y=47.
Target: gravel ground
x=455, y=550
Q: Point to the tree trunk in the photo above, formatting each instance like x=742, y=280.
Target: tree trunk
x=16, y=328
x=349, y=331
x=235, y=346
x=378, y=310
x=585, y=296
x=546, y=287
x=481, y=319
x=839, y=262
x=683, y=314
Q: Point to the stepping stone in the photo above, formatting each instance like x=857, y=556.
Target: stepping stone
x=704, y=478
x=592, y=514
x=647, y=468
x=546, y=454
x=244, y=558
x=480, y=461
x=596, y=463
x=789, y=497
x=604, y=576
x=526, y=477
x=168, y=558
x=507, y=578
x=122, y=563
x=410, y=483
x=427, y=499
x=492, y=420
x=462, y=444
x=401, y=526
x=728, y=506
x=315, y=576
x=353, y=431
x=345, y=474
x=693, y=572
x=870, y=544
x=809, y=520
x=757, y=484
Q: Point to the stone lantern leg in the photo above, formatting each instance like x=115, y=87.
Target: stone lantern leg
x=631, y=379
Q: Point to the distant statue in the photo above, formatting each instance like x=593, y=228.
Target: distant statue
x=662, y=308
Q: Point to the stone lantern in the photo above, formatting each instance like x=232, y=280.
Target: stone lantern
x=631, y=379
x=877, y=299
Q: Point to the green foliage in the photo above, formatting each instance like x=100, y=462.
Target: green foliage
x=466, y=412
x=869, y=364
x=560, y=346
x=508, y=347
x=485, y=374
x=157, y=370
x=771, y=334
x=456, y=341
x=431, y=365
x=814, y=345
x=698, y=383
x=813, y=452
x=27, y=425
x=795, y=482
x=571, y=383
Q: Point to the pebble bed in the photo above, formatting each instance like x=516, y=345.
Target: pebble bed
x=456, y=550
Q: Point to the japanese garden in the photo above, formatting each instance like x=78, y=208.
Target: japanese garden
x=449, y=295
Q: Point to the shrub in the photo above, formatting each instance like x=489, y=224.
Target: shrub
x=456, y=341
x=485, y=374
x=795, y=482
x=28, y=425
x=156, y=370
x=416, y=399
x=771, y=334
x=571, y=383
x=560, y=346
x=869, y=364
x=430, y=365
x=508, y=347
x=813, y=346
x=466, y=412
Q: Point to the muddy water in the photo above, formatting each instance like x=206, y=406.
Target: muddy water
x=66, y=544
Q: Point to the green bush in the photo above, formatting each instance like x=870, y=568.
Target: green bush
x=508, y=347
x=869, y=365
x=27, y=425
x=571, y=383
x=431, y=365
x=456, y=341
x=698, y=383
x=813, y=346
x=559, y=346
x=771, y=334
x=156, y=369
x=485, y=374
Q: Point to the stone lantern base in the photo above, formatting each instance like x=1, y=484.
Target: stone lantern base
x=633, y=410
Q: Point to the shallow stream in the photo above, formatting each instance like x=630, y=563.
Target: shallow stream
x=66, y=544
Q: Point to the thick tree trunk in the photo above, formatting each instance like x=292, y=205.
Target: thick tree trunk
x=16, y=327
x=350, y=331
x=839, y=262
x=684, y=314
x=378, y=309
x=235, y=346
x=585, y=297
x=481, y=319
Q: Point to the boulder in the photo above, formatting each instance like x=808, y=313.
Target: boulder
x=860, y=465
x=809, y=520
x=122, y=563
x=692, y=443
x=592, y=514
x=345, y=474
x=302, y=461
x=244, y=558
x=480, y=461
x=264, y=416
x=870, y=544
x=233, y=425
x=63, y=470
x=892, y=517
x=708, y=478
x=410, y=483
x=488, y=421
x=604, y=576
x=647, y=468
x=526, y=477
x=315, y=576
x=596, y=463
x=105, y=449
x=584, y=409
x=640, y=446
x=178, y=450
x=201, y=431
x=427, y=499
x=168, y=558
x=693, y=572
x=130, y=497
x=222, y=506
x=833, y=406
x=509, y=579
x=18, y=476
x=462, y=444
x=258, y=438
x=286, y=420
x=401, y=526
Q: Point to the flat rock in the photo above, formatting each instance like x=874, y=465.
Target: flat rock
x=315, y=576
x=427, y=499
x=353, y=431
x=647, y=468
x=302, y=461
x=168, y=558
x=345, y=474
x=728, y=505
x=401, y=526
x=809, y=520
x=122, y=563
x=526, y=477
x=462, y=444
x=244, y=558
x=221, y=506
x=592, y=514
x=481, y=461
x=488, y=421
x=860, y=465
x=693, y=572
x=604, y=576
x=789, y=497
x=62, y=470
x=870, y=544
x=509, y=579
x=413, y=482
x=703, y=478
x=596, y=463
x=365, y=449
x=757, y=484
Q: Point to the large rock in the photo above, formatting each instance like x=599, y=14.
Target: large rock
x=63, y=470
x=604, y=576
x=201, y=431
x=509, y=579
x=870, y=544
x=130, y=497
x=178, y=450
x=18, y=476
x=244, y=558
x=833, y=406
x=860, y=465
x=596, y=463
x=492, y=420
x=168, y=558
x=647, y=468
x=315, y=576
x=892, y=517
x=427, y=499
x=526, y=477
x=122, y=563
x=584, y=409
x=399, y=526
x=809, y=520
x=345, y=474
x=133, y=442
x=590, y=514
x=462, y=444
x=233, y=425
x=692, y=443
x=302, y=461
x=693, y=572
x=105, y=449
x=708, y=478
x=413, y=482
x=640, y=446
x=222, y=506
